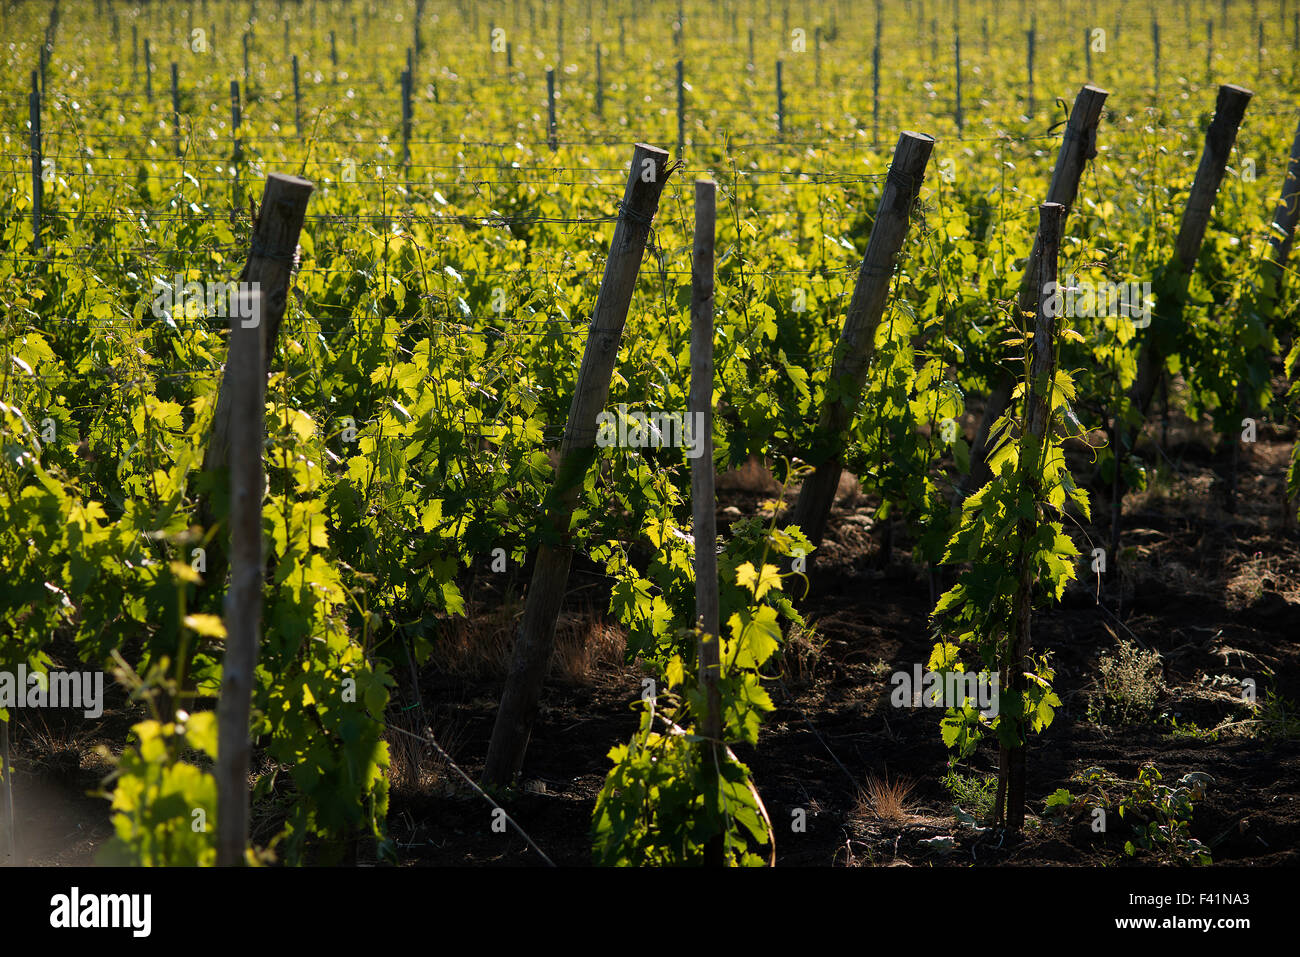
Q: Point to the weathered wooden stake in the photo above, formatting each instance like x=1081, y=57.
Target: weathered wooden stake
x=956, y=60
x=1011, y=761
x=1219, y=139
x=1031, y=34
x=243, y=606
x=176, y=109
x=681, y=110
x=703, y=502
x=552, y=137
x=1155, y=62
x=1078, y=145
x=600, y=85
x=875, y=82
x=817, y=57
x=1282, y=232
x=780, y=101
x=297, y=99
x=406, y=117
x=857, y=343
x=148, y=71
x=237, y=153
x=1209, y=51
x=536, y=638
x=38, y=185
x=7, y=794
x=270, y=266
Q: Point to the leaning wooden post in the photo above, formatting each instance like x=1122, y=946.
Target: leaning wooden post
x=703, y=503
x=536, y=638
x=148, y=72
x=1219, y=139
x=1283, y=228
x=1078, y=146
x=1011, y=761
x=269, y=267
x=600, y=85
x=858, y=340
x=243, y=606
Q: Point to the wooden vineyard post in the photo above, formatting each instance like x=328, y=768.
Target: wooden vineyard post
x=1078, y=146
x=7, y=797
x=1282, y=233
x=703, y=503
x=148, y=72
x=270, y=266
x=681, y=110
x=297, y=99
x=536, y=638
x=1229, y=109
x=1155, y=58
x=237, y=151
x=406, y=119
x=1031, y=35
x=38, y=185
x=1011, y=761
x=1219, y=139
x=857, y=341
x=1209, y=51
x=817, y=57
x=600, y=85
x=875, y=81
x=551, y=138
x=780, y=101
x=176, y=109
x=956, y=59
x=243, y=607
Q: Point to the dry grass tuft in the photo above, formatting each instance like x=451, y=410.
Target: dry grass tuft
x=413, y=765
x=886, y=800
x=479, y=646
